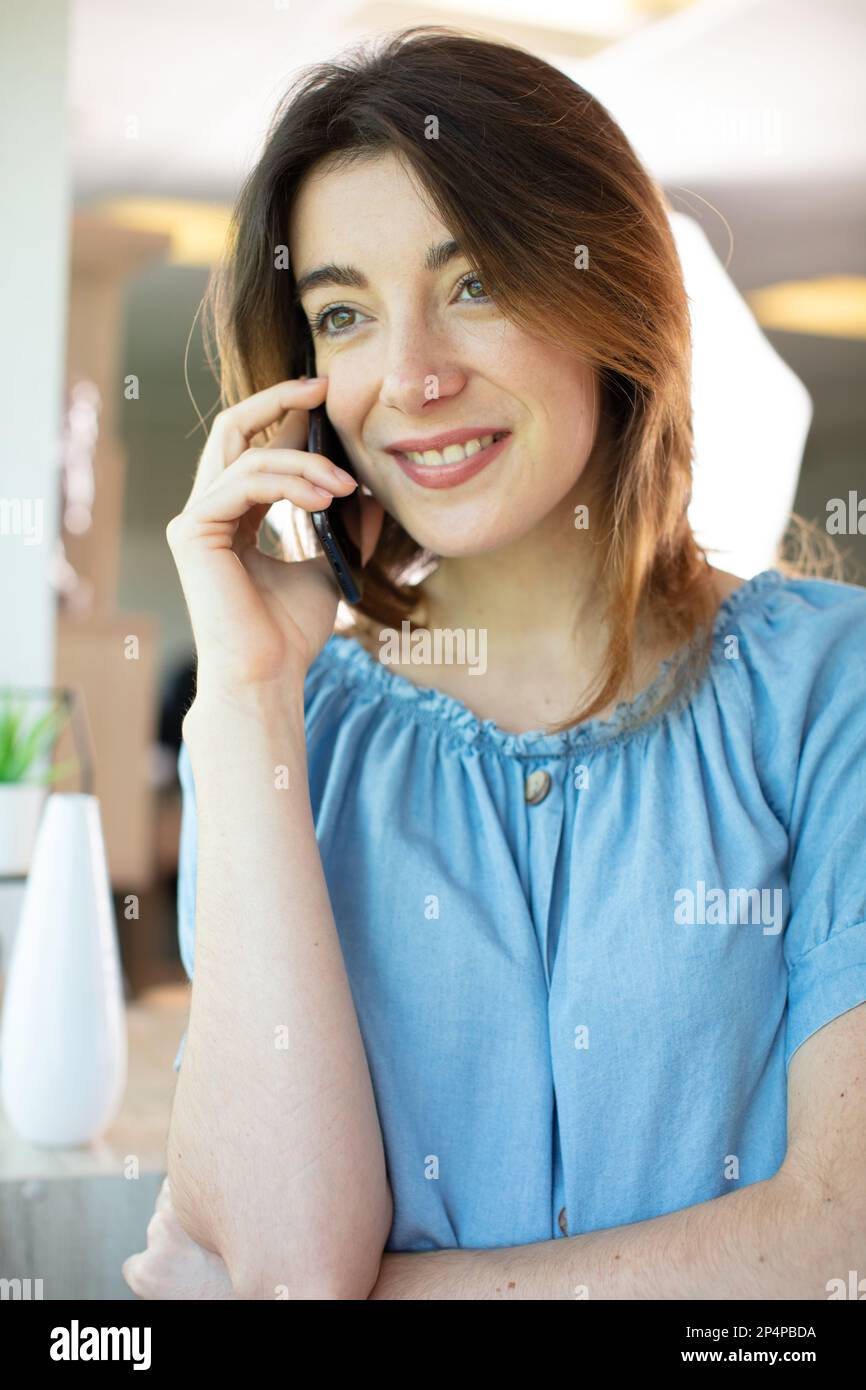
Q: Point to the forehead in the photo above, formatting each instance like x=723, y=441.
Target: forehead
x=375, y=205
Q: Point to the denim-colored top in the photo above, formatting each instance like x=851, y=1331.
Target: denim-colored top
x=579, y=1009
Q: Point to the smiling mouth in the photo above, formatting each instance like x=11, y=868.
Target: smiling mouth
x=452, y=453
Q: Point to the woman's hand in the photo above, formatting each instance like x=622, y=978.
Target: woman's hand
x=173, y=1266
x=257, y=619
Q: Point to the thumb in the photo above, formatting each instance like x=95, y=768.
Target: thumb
x=364, y=518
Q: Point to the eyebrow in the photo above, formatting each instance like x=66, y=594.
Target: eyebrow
x=437, y=257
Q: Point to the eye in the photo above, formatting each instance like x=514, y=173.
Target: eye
x=471, y=278
x=321, y=320
x=323, y=326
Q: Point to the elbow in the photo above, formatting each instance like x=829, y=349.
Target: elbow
x=188, y=1208
x=308, y=1289
x=352, y=1280
x=346, y=1271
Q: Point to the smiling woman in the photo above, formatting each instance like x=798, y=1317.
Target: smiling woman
x=528, y=234
x=446, y=996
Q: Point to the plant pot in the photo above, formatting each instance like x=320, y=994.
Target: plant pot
x=20, y=808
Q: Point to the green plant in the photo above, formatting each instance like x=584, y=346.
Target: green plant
x=21, y=747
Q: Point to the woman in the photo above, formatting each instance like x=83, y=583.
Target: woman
x=503, y=961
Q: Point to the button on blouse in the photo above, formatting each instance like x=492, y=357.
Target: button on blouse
x=537, y=786
x=582, y=961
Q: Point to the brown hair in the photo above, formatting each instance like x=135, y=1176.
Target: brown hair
x=527, y=166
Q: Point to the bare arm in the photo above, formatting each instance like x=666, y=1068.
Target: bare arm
x=798, y=1234
x=275, y=1155
x=765, y=1241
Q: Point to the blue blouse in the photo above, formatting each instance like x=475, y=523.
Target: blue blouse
x=580, y=991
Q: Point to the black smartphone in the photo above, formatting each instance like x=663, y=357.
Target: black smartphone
x=343, y=554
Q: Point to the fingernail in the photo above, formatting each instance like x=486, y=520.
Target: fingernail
x=341, y=473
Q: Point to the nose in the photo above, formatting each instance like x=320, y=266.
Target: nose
x=420, y=367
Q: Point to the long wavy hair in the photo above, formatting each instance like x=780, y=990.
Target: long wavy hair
x=527, y=167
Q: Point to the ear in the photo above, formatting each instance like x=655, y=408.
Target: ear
x=364, y=518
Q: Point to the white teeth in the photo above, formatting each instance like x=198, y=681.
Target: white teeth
x=452, y=453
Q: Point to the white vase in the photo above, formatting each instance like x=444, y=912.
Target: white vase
x=20, y=808
x=63, y=1045
x=11, y=902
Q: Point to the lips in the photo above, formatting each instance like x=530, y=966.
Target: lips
x=451, y=453
x=450, y=472
x=441, y=441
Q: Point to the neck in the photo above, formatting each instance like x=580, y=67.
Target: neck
x=540, y=599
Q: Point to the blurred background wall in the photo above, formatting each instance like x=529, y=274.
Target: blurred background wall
x=34, y=269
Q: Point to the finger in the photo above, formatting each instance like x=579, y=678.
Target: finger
x=130, y=1270
x=157, y=1229
x=234, y=427
x=264, y=408
x=250, y=525
x=315, y=467
x=230, y=499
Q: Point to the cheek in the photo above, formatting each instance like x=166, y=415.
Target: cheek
x=571, y=415
x=347, y=409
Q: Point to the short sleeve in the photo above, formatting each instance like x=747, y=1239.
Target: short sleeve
x=186, y=871
x=825, y=937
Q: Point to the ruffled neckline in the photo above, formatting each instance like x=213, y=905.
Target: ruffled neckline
x=456, y=719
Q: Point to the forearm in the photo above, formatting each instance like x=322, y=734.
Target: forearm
x=275, y=1154
x=770, y=1240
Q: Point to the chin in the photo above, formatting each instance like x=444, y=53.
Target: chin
x=470, y=539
